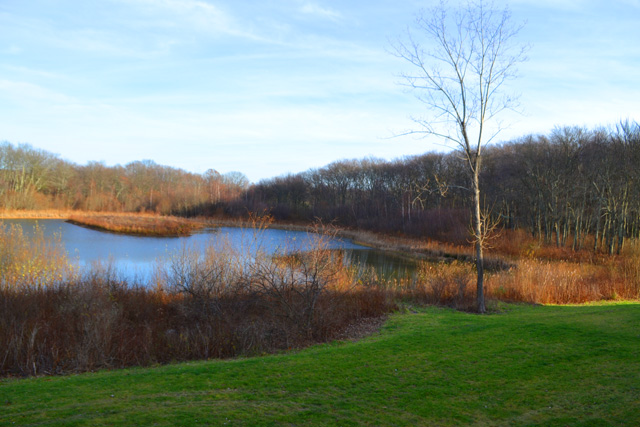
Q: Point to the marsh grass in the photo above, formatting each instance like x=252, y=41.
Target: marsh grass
x=141, y=225
x=35, y=214
x=552, y=275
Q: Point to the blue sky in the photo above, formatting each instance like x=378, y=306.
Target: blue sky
x=271, y=87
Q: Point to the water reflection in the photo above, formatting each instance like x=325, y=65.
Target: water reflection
x=385, y=264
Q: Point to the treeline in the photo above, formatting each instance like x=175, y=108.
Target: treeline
x=574, y=187
x=31, y=178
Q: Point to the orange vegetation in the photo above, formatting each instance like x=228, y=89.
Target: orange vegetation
x=56, y=319
x=141, y=225
x=203, y=305
x=35, y=214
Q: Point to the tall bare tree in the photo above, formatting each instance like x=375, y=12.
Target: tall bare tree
x=461, y=59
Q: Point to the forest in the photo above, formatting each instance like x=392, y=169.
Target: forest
x=561, y=187
x=575, y=188
x=34, y=179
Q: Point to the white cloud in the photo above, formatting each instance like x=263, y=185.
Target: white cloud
x=201, y=16
x=317, y=10
x=566, y=5
x=200, y=13
x=33, y=72
x=23, y=92
x=11, y=50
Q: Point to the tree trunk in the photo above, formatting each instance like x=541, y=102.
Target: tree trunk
x=479, y=237
x=622, y=227
x=597, y=233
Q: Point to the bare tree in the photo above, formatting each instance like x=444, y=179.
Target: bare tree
x=460, y=65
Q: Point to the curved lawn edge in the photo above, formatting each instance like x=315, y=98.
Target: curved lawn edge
x=526, y=365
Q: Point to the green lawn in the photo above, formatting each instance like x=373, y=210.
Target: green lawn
x=527, y=365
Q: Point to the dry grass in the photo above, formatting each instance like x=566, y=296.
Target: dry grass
x=35, y=214
x=547, y=274
x=141, y=225
x=563, y=282
x=519, y=244
x=533, y=274
x=443, y=283
x=62, y=214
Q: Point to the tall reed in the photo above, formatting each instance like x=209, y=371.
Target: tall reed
x=565, y=282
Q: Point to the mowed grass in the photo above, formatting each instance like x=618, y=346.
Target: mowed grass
x=522, y=365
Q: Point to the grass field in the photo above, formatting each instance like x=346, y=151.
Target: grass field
x=522, y=365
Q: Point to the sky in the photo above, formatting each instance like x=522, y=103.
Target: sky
x=275, y=87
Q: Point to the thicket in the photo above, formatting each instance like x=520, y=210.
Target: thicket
x=203, y=303
x=207, y=302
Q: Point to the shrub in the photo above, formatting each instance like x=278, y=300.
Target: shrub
x=208, y=303
x=32, y=262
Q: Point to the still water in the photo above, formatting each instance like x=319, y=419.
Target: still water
x=135, y=257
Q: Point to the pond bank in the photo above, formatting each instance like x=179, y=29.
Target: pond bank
x=400, y=246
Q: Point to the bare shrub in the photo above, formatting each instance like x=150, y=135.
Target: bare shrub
x=103, y=275
x=32, y=262
x=294, y=283
x=444, y=283
x=201, y=273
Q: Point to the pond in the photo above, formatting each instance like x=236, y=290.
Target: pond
x=135, y=257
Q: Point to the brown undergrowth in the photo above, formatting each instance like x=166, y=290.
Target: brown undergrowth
x=84, y=327
x=204, y=303
x=220, y=302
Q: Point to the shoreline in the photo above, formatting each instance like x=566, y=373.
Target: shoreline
x=48, y=214
x=406, y=247
x=66, y=214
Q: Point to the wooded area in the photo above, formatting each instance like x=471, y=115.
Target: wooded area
x=31, y=178
x=575, y=187
x=561, y=187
